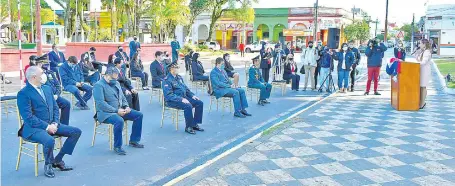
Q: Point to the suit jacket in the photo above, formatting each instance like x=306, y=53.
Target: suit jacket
x=134, y=45
x=220, y=82
x=228, y=67
x=348, y=59
x=124, y=56
x=70, y=76
x=36, y=112
x=254, y=76
x=288, y=71
x=158, y=73
x=124, y=82
x=56, y=59
x=136, y=67
x=174, y=89
x=53, y=82
x=108, y=99
x=197, y=69
x=265, y=57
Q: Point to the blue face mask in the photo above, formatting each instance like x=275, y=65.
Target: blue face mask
x=222, y=66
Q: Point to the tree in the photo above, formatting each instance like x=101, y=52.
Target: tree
x=357, y=31
x=243, y=15
x=218, y=7
x=166, y=15
x=406, y=28
x=381, y=37
x=196, y=8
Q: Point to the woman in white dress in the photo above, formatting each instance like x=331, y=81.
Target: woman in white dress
x=423, y=56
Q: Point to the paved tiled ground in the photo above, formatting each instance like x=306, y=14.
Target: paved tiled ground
x=348, y=139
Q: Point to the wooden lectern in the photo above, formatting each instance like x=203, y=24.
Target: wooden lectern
x=406, y=89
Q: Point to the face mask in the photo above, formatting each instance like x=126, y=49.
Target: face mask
x=222, y=66
x=351, y=46
x=112, y=81
x=311, y=46
x=135, y=38
x=345, y=48
x=120, y=49
x=43, y=78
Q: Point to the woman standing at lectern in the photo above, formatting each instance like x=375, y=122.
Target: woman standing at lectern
x=423, y=56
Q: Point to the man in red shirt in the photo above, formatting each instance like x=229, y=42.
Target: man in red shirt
x=242, y=49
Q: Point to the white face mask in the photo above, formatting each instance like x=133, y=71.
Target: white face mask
x=43, y=78
x=345, y=48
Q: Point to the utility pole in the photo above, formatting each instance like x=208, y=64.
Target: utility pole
x=39, y=44
x=376, y=27
x=412, y=33
x=31, y=21
x=96, y=27
x=386, y=20
x=353, y=14
x=77, y=26
x=19, y=37
x=315, y=34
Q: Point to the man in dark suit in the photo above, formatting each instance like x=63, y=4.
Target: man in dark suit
x=112, y=108
x=222, y=86
x=157, y=70
x=122, y=55
x=39, y=110
x=131, y=94
x=178, y=95
x=56, y=58
x=73, y=81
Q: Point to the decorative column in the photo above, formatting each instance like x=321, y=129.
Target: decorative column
x=223, y=45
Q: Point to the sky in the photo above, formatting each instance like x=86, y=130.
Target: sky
x=400, y=11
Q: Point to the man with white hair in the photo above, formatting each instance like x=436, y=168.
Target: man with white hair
x=40, y=112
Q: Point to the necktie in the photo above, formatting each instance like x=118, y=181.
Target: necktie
x=162, y=68
x=41, y=93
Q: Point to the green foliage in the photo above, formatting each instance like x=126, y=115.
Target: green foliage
x=186, y=48
x=381, y=37
x=407, y=29
x=104, y=34
x=202, y=47
x=357, y=31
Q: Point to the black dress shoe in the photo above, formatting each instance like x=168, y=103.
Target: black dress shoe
x=119, y=151
x=136, y=144
x=266, y=101
x=366, y=93
x=61, y=166
x=198, y=128
x=49, y=171
x=261, y=102
x=377, y=93
x=244, y=112
x=239, y=115
x=190, y=130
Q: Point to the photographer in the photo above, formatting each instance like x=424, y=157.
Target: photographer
x=375, y=53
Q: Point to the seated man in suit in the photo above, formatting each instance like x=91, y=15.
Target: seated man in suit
x=222, y=86
x=73, y=81
x=90, y=72
x=197, y=69
x=255, y=80
x=157, y=70
x=112, y=108
x=56, y=58
x=178, y=95
x=131, y=94
x=39, y=110
x=122, y=55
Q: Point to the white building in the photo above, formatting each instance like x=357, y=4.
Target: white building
x=440, y=27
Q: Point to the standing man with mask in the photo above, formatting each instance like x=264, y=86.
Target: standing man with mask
x=375, y=53
x=309, y=58
x=122, y=55
x=357, y=55
x=112, y=107
x=73, y=81
x=175, y=45
x=134, y=45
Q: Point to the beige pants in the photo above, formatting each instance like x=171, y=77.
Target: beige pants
x=309, y=73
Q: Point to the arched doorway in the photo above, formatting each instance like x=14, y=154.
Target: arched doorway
x=263, y=32
x=300, y=41
x=278, y=33
x=202, y=33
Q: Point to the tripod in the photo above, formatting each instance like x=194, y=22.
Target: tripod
x=331, y=85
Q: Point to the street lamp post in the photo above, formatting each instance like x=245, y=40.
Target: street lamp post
x=315, y=34
x=386, y=20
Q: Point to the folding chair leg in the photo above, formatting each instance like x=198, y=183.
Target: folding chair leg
x=36, y=159
x=210, y=105
x=6, y=108
x=162, y=118
x=126, y=132
x=111, y=137
x=19, y=154
x=94, y=133
x=177, y=120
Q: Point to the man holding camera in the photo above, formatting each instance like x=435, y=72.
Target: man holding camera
x=375, y=53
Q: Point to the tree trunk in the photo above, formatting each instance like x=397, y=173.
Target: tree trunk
x=81, y=23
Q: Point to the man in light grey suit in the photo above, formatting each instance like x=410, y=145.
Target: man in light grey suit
x=112, y=107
